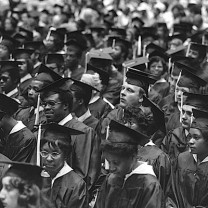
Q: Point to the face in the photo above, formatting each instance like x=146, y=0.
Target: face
x=4, y=53
x=76, y=103
x=187, y=116
x=197, y=143
x=52, y=164
x=178, y=93
x=23, y=67
x=9, y=195
x=8, y=25
x=117, y=53
x=54, y=110
x=193, y=54
x=156, y=68
x=130, y=95
x=34, y=86
x=50, y=42
x=72, y=59
x=118, y=165
x=6, y=82
x=175, y=43
x=172, y=80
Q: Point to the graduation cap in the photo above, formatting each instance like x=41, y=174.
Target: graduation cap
x=54, y=58
x=139, y=78
x=35, y=45
x=161, y=24
x=28, y=172
x=179, y=28
x=148, y=32
x=199, y=48
x=198, y=101
x=61, y=133
x=57, y=35
x=57, y=86
x=10, y=64
x=160, y=54
x=116, y=31
x=9, y=42
x=179, y=36
x=76, y=38
x=158, y=114
x=45, y=74
x=152, y=47
x=26, y=33
x=20, y=38
x=137, y=19
x=8, y=105
x=138, y=63
x=118, y=40
x=22, y=53
x=119, y=133
x=189, y=78
x=104, y=76
x=179, y=51
x=100, y=56
x=201, y=119
x=98, y=29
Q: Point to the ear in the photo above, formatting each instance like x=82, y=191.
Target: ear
x=66, y=106
x=140, y=99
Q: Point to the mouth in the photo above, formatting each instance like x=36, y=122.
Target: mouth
x=122, y=100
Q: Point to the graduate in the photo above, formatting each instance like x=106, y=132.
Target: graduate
x=17, y=142
x=130, y=183
x=66, y=188
x=190, y=182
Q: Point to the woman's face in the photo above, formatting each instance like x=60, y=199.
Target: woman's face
x=9, y=195
x=50, y=163
x=156, y=68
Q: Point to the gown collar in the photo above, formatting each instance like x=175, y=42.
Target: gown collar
x=84, y=116
x=19, y=126
x=65, y=120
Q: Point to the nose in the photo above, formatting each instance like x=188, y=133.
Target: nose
x=123, y=92
x=2, y=195
x=49, y=158
x=30, y=92
x=191, y=141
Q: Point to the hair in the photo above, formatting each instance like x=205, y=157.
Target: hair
x=121, y=149
x=15, y=75
x=30, y=194
x=204, y=134
x=158, y=59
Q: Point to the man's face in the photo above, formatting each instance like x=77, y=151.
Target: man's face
x=130, y=95
x=4, y=52
x=6, y=82
x=72, y=59
x=179, y=92
x=53, y=108
x=172, y=80
x=117, y=53
x=118, y=165
x=187, y=116
x=49, y=43
x=23, y=67
x=197, y=143
x=34, y=86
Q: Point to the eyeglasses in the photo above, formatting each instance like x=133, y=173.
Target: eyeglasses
x=54, y=155
x=4, y=79
x=50, y=103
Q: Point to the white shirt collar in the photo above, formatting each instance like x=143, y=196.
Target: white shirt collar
x=40, y=109
x=12, y=92
x=94, y=99
x=143, y=168
x=150, y=143
x=26, y=77
x=19, y=126
x=64, y=170
x=65, y=120
x=161, y=80
x=84, y=116
x=196, y=159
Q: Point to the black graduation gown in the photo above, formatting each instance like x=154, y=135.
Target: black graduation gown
x=82, y=149
x=139, y=190
x=19, y=146
x=68, y=191
x=160, y=162
x=99, y=108
x=190, y=182
x=28, y=118
x=91, y=122
x=175, y=143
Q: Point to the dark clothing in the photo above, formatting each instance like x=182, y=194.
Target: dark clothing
x=190, y=183
x=99, y=108
x=19, y=146
x=139, y=190
x=91, y=122
x=75, y=74
x=82, y=159
x=27, y=116
x=175, y=143
x=160, y=162
x=67, y=191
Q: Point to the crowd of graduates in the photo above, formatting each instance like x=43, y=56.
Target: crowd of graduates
x=104, y=104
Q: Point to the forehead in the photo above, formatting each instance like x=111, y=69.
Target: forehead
x=112, y=157
x=195, y=131
x=36, y=83
x=133, y=87
x=188, y=108
x=51, y=96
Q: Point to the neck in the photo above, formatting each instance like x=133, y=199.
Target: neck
x=8, y=124
x=81, y=111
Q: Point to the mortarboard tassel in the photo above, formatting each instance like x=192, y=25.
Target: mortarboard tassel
x=139, y=49
x=38, y=145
